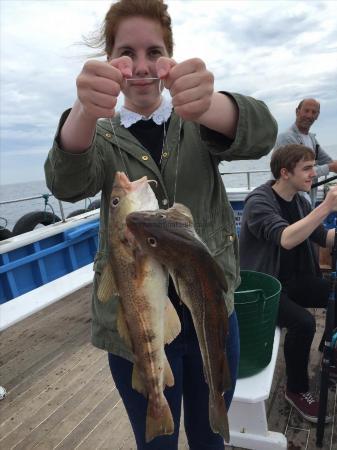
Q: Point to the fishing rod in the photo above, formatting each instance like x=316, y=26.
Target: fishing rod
x=327, y=360
x=319, y=183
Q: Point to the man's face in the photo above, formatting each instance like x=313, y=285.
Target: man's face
x=301, y=177
x=306, y=115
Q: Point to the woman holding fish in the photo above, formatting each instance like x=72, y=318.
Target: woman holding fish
x=178, y=143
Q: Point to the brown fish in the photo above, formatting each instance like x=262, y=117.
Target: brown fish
x=146, y=318
x=169, y=236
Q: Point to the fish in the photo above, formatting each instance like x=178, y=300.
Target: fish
x=146, y=318
x=170, y=237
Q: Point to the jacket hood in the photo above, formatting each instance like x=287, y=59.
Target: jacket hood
x=264, y=189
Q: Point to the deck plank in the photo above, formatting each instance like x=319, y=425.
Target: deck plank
x=36, y=327
x=48, y=374
x=52, y=430
x=43, y=339
x=45, y=404
x=43, y=383
x=61, y=394
x=92, y=431
x=105, y=428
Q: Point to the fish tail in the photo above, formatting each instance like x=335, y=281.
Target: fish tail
x=218, y=418
x=158, y=421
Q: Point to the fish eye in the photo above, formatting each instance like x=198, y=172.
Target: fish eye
x=161, y=216
x=152, y=241
x=115, y=201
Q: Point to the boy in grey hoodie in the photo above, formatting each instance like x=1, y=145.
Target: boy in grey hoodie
x=278, y=230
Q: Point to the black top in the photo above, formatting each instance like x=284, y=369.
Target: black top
x=151, y=136
x=293, y=262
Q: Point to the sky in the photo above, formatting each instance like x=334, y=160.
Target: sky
x=276, y=51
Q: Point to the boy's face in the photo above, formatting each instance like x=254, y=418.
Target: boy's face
x=142, y=40
x=301, y=177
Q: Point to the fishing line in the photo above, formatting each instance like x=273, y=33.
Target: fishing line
x=163, y=146
x=160, y=87
x=177, y=164
x=119, y=149
x=141, y=79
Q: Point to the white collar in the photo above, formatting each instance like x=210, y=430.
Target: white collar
x=159, y=116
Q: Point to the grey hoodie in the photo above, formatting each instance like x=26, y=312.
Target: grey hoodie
x=261, y=229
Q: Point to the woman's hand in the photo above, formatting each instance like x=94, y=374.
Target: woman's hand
x=191, y=86
x=99, y=85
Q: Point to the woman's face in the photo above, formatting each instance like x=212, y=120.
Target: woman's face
x=142, y=40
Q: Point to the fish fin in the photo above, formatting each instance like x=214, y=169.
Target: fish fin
x=168, y=378
x=218, y=272
x=140, y=264
x=218, y=417
x=122, y=327
x=137, y=381
x=158, y=422
x=182, y=211
x=175, y=278
x=107, y=285
x=226, y=376
x=172, y=323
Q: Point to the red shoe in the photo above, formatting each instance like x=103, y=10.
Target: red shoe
x=306, y=405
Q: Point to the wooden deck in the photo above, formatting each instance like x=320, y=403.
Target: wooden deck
x=61, y=394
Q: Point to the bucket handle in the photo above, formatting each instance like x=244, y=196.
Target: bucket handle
x=250, y=291
x=253, y=291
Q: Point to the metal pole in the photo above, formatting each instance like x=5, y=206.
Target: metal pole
x=62, y=212
x=327, y=350
x=21, y=199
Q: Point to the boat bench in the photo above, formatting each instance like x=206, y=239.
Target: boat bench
x=247, y=415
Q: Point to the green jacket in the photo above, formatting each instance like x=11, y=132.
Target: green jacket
x=199, y=186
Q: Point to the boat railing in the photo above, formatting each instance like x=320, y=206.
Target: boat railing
x=44, y=215
x=46, y=202
x=248, y=175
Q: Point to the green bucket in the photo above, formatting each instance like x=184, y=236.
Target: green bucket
x=256, y=304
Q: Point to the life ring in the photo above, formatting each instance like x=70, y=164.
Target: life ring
x=94, y=205
x=5, y=234
x=76, y=213
x=30, y=220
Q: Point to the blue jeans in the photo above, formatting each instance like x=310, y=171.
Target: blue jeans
x=185, y=360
